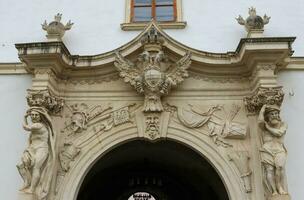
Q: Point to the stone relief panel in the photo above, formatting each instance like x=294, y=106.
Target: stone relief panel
x=218, y=123
x=85, y=121
x=67, y=154
x=84, y=124
x=241, y=161
x=81, y=114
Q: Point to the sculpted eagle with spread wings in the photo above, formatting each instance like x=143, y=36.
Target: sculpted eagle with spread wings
x=148, y=77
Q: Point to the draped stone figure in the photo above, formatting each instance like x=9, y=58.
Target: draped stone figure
x=38, y=159
x=273, y=152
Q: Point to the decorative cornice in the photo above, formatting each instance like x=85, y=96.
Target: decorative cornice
x=294, y=63
x=92, y=81
x=243, y=41
x=141, y=26
x=43, y=98
x=219, y=79
x=12, y=68
x=238, y=64
x=264, y=95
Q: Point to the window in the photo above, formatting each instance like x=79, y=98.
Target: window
x=166, y=12
x=160, y=10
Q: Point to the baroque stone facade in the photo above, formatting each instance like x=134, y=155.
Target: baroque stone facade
x=235, y=125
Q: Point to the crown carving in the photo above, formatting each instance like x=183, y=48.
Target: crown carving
x=152, y=40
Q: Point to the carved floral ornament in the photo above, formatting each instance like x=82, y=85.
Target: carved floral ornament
x=264, y=96
x=43, y=98
x=153, y=74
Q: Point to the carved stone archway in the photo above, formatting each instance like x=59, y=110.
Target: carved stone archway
x=154, y=88
x=72, y=183
x=166, y=169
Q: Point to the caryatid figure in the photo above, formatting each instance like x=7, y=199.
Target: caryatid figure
x=273, y=152
x=37, y=161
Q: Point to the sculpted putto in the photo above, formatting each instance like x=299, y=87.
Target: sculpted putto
x=37, y=161
x=273, y=152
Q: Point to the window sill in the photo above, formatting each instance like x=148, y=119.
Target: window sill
x=164, y=25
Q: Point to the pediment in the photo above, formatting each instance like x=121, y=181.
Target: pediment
x=241, y=62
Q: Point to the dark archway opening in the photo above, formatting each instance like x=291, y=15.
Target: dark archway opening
x=165, y=169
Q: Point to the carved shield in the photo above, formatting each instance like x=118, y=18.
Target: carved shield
x=153, y=78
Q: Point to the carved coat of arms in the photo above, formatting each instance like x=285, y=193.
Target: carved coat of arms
x=153, y=75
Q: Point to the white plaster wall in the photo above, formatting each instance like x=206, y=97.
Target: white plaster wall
x=211, y=24
x=293, y=113
x=13, y=138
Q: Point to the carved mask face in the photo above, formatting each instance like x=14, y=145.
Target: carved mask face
x=35, y=116
x=152, y=123
x=273, y=117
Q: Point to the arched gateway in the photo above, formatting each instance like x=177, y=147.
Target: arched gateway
x=165, y=169
x=153, y=116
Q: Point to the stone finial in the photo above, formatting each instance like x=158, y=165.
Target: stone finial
x=254, y=23
x=55, y=30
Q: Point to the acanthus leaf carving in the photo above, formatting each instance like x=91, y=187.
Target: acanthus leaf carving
x=264, y=95
x=43, y=98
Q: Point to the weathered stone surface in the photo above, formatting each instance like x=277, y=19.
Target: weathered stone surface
x=94, y=111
